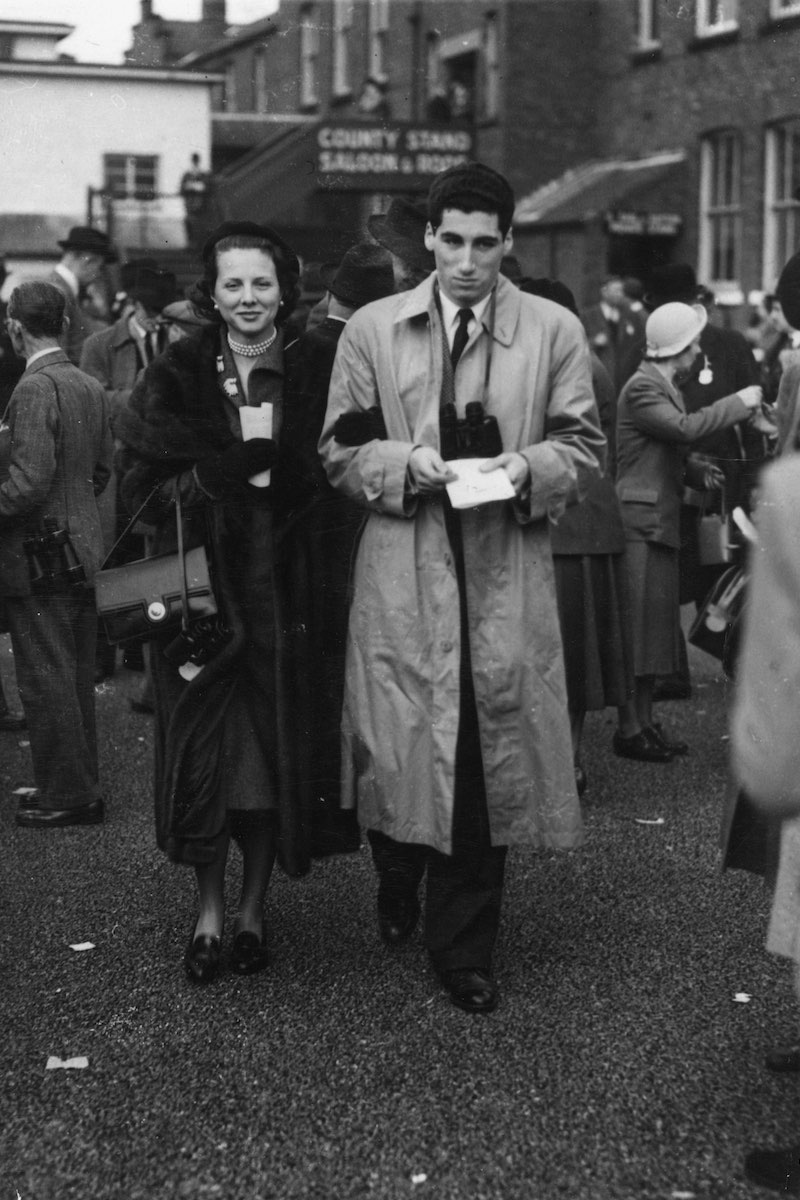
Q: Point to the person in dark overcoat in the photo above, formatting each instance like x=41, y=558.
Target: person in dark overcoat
x=323, y=530
x=228, y=746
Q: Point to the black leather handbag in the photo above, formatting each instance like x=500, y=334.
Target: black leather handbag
x=140, y=600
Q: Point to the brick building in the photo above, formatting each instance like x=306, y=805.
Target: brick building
x=634, y=132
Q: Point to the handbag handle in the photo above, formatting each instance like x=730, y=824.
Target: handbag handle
x=181, y=555
x=130, y=524
x=705, y=501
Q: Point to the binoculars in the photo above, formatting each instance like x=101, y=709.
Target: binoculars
x=474, y=435
x=52, y=562
x=199, y=644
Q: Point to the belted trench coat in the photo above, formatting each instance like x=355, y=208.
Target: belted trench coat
x=401, y=707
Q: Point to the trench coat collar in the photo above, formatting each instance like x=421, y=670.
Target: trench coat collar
x=47, y=360
x=652, y=372
x=420, y=302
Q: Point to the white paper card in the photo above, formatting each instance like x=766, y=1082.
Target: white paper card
x=257, y=423
x=67, y=1064
x=474, y=487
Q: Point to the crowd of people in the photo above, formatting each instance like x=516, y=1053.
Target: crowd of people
x=400, y=638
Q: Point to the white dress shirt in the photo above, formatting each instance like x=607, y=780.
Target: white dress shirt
x=450, y=313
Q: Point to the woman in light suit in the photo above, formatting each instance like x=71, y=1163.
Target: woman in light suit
x=654, y=436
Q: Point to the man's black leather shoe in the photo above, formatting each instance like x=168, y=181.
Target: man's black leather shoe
x=640, y=747
x=471, y=989
x=775, y=1169
x=785, y=1060
x=11, y=724
x=398, y=920
x=656, y=732
x=31, y=816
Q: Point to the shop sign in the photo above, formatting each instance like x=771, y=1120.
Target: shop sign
x=640, y=224
x=387, y=156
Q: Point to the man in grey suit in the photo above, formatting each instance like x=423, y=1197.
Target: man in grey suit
x=55, y=459
x=85, y=252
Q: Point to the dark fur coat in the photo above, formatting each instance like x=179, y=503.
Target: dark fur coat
x=176, y=418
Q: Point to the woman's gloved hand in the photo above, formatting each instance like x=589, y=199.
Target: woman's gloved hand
x=235, y=465
x=358, y=428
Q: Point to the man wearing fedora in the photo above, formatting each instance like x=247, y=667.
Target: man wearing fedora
x=401, y=231
x=86, y=250
x=116, y=355
x=456, y=740
x=326, y=529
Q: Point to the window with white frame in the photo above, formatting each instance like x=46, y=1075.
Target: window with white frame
x=260, y=81
x=378, y=31
x=309, y=56
x=647, y=34
x=721, y=207
x=781, y=206
x=129, y=176
x=491, y=69
x=231, y=90
x=342, y=23
x=784, y=8
x=717, y=16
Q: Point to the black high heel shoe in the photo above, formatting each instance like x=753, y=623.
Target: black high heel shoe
x=249, y=953
x=201, y=959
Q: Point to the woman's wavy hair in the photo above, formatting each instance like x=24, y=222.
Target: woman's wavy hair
x=244, y=235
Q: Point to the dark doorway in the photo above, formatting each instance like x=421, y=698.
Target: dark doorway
x=638, y=255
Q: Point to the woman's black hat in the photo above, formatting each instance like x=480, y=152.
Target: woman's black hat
x=250, y=229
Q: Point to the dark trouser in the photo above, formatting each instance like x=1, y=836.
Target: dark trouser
x=54, y=641
x=465, y=888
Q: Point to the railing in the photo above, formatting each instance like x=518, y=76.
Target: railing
x=138, y=220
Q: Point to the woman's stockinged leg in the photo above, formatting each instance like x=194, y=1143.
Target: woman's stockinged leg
x=257, y=839
x=211, y=891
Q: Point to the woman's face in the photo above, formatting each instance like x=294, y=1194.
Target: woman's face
x=247, y=293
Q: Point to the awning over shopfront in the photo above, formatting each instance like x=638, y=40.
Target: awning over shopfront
x=639, y=196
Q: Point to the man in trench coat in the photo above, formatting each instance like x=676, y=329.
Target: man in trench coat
x=455, y=730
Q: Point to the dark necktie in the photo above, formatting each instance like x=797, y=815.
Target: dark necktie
x=465, y=315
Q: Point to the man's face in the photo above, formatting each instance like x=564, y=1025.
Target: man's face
x=778, y=319
x=613, y=293
x=468, y=248
x=88, y=267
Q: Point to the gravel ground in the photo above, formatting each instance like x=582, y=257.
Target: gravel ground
x=618, y=1065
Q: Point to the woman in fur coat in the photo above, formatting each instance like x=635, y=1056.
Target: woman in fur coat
x=227, y=742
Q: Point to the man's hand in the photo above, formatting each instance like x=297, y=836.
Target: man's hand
x=515, y=466
x=429, y=470
x=713, y=478
x=751, y=396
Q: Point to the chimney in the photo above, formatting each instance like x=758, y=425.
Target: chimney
x=213, y=15
x=147, y=11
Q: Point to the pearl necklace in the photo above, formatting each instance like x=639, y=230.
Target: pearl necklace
x=251, y=349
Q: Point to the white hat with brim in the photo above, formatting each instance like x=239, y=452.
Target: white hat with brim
x=672, y=328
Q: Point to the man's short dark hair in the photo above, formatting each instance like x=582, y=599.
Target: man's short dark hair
x=39, y=308
x=471, y=187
